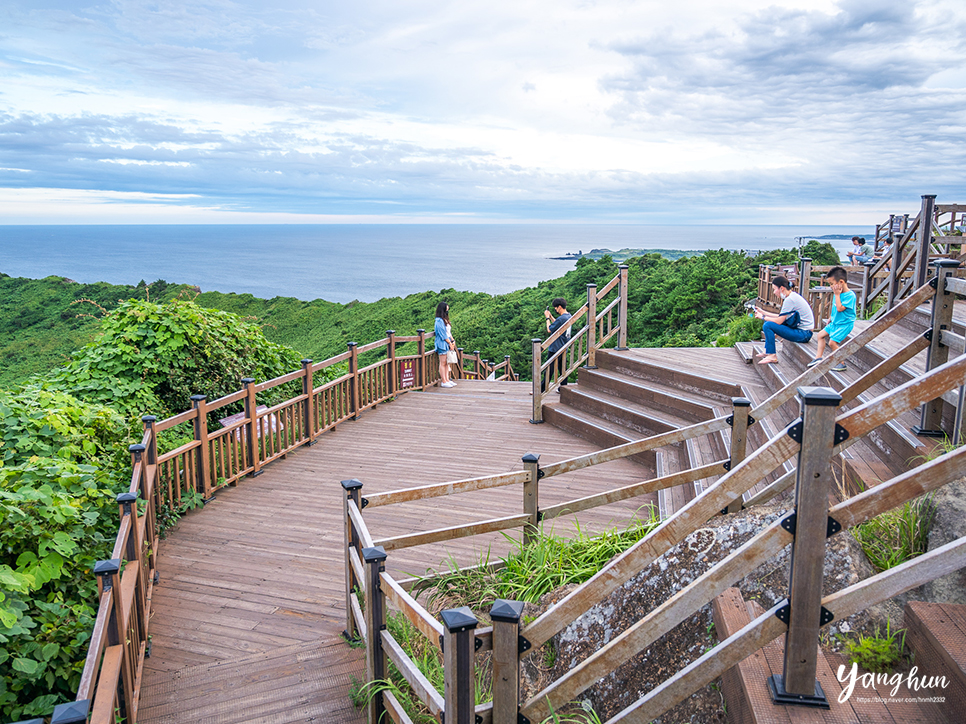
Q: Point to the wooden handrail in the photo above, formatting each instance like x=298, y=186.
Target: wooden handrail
x=410, y=608
x=436, y=490
x=453, y=532
x=768, y=627
x=733, y=568
x=631, y=491
x=422, y=688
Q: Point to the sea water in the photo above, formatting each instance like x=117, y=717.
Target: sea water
x=342, y=262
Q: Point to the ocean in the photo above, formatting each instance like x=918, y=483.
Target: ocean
x=365, y=262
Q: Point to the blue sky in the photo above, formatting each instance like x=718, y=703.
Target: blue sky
x=689, y=112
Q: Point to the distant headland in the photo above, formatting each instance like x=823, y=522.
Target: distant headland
x=625, y=254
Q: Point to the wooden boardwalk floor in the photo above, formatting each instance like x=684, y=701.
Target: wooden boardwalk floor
x=258, y=573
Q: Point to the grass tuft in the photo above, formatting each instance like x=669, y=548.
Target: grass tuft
x=527, y=573
x=897, y=535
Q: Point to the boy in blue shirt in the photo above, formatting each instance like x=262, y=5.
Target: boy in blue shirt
x=842, y=319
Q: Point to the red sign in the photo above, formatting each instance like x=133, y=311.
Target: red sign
x=408, y=369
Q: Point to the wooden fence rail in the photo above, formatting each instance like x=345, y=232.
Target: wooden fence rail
x=812, y=439
x=581, y=344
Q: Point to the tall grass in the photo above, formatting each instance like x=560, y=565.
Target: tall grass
x=897, y=535
x=528, y=572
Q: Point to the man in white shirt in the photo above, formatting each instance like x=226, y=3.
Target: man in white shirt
x=793, y=305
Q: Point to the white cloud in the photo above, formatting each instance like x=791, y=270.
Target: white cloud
x=528, y=109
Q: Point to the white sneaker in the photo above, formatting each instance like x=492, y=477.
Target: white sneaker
x=447, y=384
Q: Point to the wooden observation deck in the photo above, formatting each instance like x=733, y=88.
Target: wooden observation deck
x=252, y=588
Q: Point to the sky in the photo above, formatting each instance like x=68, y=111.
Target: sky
x=685, y=112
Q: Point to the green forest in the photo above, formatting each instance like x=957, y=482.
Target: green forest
x=82, y=362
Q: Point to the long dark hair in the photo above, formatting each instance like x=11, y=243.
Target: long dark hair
x=442, y=311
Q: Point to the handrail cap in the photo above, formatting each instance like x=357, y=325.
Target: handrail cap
x=820, y=396
x=944, y=263
x=507, y=611
x=351, y=484
x=531, y=458
x=374, y=555
x=459, y=619
x=106, y=568
x=73, y=712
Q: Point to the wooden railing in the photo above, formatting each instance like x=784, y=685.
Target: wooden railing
x=904, y=267
x=599, y=328
x=246, y=442
x=815, y=438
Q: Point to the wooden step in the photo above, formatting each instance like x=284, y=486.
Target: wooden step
x=600, y=432
x=936, y=634
x=618, y=410
x=667, y=400
x=705, y=386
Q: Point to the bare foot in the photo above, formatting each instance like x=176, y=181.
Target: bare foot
x=768, y=359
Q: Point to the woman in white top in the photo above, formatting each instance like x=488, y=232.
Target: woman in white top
x=792, y=302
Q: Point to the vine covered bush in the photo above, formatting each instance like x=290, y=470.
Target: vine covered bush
x=64, y=459
x=149, y=358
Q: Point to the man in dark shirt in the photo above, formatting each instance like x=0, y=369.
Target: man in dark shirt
x=560, y=307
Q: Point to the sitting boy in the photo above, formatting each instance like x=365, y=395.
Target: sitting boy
x=842, y=319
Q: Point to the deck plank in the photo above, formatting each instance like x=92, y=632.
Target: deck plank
x=258, y=571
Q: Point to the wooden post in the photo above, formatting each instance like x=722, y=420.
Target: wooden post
x=354, y=382
x=459, y=363
x=109, y=577
x=531, y=497
x=375, y=560
x=931, y=417
x=739, y=421
x=127, y=503
x=816, y=431
x=622, y=313
x=421, y=362
x=476, y=366
x=592, y=326
x=71, y=712
x=151, y=455
x=804, y=276
x=391, y=355
x=308, y=385
x=375, y=613
x=152, y=449
x=251, y=414
x=506, y=660
x=459, y=653
x=351, y=489
x=868, y=281
x=506, y=368
x=203, y=481
x=537, y=346
x=925, y=238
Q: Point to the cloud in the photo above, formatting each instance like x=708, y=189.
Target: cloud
x=506, y=110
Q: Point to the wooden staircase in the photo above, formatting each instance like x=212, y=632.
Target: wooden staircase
x=637, y=393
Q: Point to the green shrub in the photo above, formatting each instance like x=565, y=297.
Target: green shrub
x=149, y=358
x=740, y=329
x=897, y=535
x=878, y=653
x=60, y=470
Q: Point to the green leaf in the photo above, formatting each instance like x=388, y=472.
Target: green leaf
x=26, y=666
x=50, y=651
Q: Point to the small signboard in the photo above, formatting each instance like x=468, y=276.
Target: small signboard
x=407, y=377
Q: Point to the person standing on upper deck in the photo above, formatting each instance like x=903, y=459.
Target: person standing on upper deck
x=444, y=343
x=559, y=305
x=793, y=322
